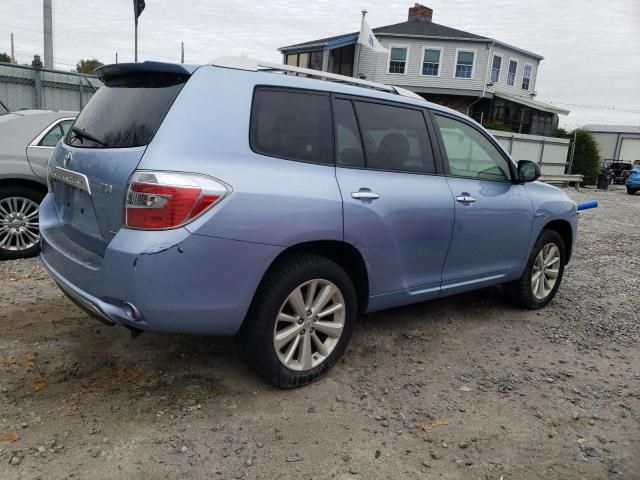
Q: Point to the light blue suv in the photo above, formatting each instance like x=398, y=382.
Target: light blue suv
x=247, y=198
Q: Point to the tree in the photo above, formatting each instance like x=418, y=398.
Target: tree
x=562, y=133
x=586, y=157
x=5, y=58
x=88, y=65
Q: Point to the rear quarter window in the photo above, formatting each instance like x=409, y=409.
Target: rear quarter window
x=294, y=125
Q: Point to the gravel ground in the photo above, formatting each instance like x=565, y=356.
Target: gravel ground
x=464, y=387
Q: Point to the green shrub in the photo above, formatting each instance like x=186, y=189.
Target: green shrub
x=586, y=158
x=498, y=126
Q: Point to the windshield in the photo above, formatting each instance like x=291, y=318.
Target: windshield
x=127, y=111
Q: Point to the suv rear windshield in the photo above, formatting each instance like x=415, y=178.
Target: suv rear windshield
x=127, y=111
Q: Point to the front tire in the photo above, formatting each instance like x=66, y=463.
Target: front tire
x=19, y=227
x=542, y=277
x=300, y=321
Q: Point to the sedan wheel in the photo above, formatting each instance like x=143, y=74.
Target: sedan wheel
x=19, y=231
x=309, y=325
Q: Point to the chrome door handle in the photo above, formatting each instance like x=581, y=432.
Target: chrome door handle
x=465, y=199
x=365, y=195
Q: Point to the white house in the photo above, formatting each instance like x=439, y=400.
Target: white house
x=489, y=80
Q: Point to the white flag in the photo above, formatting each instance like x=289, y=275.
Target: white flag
x=368, y=39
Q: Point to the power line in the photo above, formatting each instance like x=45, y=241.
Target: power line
x=586, y=106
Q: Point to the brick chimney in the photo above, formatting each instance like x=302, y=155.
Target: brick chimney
x=420, y=13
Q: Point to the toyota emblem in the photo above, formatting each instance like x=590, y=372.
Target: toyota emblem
x=67, y=159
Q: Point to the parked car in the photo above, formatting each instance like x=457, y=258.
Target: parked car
x=226, y=199
x=27, y=138
x=618, y=171
x=633, y=180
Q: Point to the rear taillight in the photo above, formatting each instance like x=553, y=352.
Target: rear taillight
x=162, y=200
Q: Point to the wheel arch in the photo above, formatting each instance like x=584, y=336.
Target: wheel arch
x=342, y=253
x=564, y=229
x=24, y=182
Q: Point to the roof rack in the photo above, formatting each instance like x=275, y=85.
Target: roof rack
x=253, y=65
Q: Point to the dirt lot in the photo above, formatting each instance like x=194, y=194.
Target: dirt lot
x=463, y=387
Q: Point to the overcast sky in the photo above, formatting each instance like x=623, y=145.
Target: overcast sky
x=591, y=64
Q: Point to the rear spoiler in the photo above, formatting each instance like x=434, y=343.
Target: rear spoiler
x=107, y=72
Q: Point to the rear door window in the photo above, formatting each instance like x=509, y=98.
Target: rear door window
x=395, y=138
x=52, y=137
x=58, y=131
x=127, y=111
x=294, y=125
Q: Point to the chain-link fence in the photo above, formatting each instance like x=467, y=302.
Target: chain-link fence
x=23, y=87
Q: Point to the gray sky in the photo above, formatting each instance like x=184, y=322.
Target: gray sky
x=590, y=47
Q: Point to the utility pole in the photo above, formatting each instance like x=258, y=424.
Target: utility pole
x=116, y=57
x=13, y=53
x=136, y=40
x=47, y=11
x=181, y=52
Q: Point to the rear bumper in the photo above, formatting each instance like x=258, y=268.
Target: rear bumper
x=177, y=281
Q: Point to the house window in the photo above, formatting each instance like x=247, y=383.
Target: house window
x=526, y=77
x=431, y=62
x=306, y=60
x=398, y=60
x=495, y=68
x=464, y=64
x=511, y=74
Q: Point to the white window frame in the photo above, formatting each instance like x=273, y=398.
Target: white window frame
x=473, y=65
x=515, y=75
x=427, y=47
x=501, y=57
x=530, y=77
x=406, y=62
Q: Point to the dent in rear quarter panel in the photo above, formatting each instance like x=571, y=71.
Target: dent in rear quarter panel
x=274, y=201
x=211, y=281
x=549, y=204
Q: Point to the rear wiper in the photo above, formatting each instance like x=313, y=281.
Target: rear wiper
x=80, y=133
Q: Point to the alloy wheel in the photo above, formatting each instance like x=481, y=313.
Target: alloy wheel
x=309, y=325
x=18, y=223
x=546, y=269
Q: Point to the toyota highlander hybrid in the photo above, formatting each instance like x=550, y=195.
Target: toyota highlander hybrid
x=252, y=199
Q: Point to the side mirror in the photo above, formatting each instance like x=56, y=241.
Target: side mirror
x=528, y=171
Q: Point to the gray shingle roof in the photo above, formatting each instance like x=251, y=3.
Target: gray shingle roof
x=425, y=29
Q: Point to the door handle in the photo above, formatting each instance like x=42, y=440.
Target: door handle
x=365, y=195
x=465, y=198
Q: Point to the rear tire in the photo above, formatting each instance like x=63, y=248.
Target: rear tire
x=19, y=229
x=300, y=358
x=631, y=191
x=542, y=277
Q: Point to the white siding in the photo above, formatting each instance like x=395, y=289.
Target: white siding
x=375, y=66
x=630, y=149
x=501, y=84
x=607, y=144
